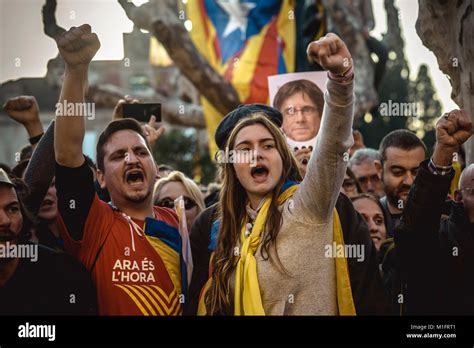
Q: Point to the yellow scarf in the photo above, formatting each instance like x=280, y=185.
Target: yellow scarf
x=455, y=182
x=247, y=297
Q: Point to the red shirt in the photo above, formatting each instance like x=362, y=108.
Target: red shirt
x=130, y=275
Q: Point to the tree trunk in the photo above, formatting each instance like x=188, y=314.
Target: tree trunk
x=446, y=28
x=160, y=17
x=393, y=37
x=346, y=27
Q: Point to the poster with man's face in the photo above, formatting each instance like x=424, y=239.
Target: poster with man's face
x=319, y=78
x=300, y=98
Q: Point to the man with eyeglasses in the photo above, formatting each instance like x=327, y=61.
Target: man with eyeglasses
x=366, y=166
x=301, y=103
x=436, y=254
x=350, y=185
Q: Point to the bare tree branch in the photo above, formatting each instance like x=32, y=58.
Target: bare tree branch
x=177, y=112
x=161, y=19
x=174, y=110
x=50, y=27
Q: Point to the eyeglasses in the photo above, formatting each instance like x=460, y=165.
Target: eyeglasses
x=305, y=110
x=169, y=203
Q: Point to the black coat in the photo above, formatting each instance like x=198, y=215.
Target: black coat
x=435, y=255
x=367, y=289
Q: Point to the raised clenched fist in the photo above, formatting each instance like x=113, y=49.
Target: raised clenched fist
x=78, y=46
x=453, y=129
x=331, y=53
x=23, y=109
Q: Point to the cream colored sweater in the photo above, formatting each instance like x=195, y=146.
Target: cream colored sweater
x=309, y=288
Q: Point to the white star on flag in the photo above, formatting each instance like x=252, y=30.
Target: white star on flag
x=238, y=12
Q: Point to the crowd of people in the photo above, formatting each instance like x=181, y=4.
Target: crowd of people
x=314, y=224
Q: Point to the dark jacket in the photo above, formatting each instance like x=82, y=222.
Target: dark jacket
x=436, y=256
x=366, y=283
x=391, y=220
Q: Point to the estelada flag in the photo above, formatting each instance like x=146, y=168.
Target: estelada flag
x=245, y=41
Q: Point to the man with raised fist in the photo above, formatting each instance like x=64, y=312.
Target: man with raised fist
x=436, y=254
x=131, y=247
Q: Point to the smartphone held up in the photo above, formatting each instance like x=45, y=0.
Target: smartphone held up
x=142, y=111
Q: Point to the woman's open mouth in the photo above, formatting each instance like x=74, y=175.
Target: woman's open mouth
x=259, y=173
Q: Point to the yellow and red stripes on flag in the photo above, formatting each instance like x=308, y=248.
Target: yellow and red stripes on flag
x=203, y=33
x=249, y=68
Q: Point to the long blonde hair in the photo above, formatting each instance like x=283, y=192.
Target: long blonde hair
x=232, y=200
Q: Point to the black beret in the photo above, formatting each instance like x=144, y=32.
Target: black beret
x=232, y=118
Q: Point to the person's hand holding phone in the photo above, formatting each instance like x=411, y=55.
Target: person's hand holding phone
x=118, y=110
x=153, y=129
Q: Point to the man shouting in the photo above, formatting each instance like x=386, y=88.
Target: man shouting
x=130, y=247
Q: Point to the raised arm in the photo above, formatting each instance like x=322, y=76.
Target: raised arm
x=40, y=171
x=77, y=47
x=317, y=195
x=74, y=180
x=424, y=204
x=420, y=225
